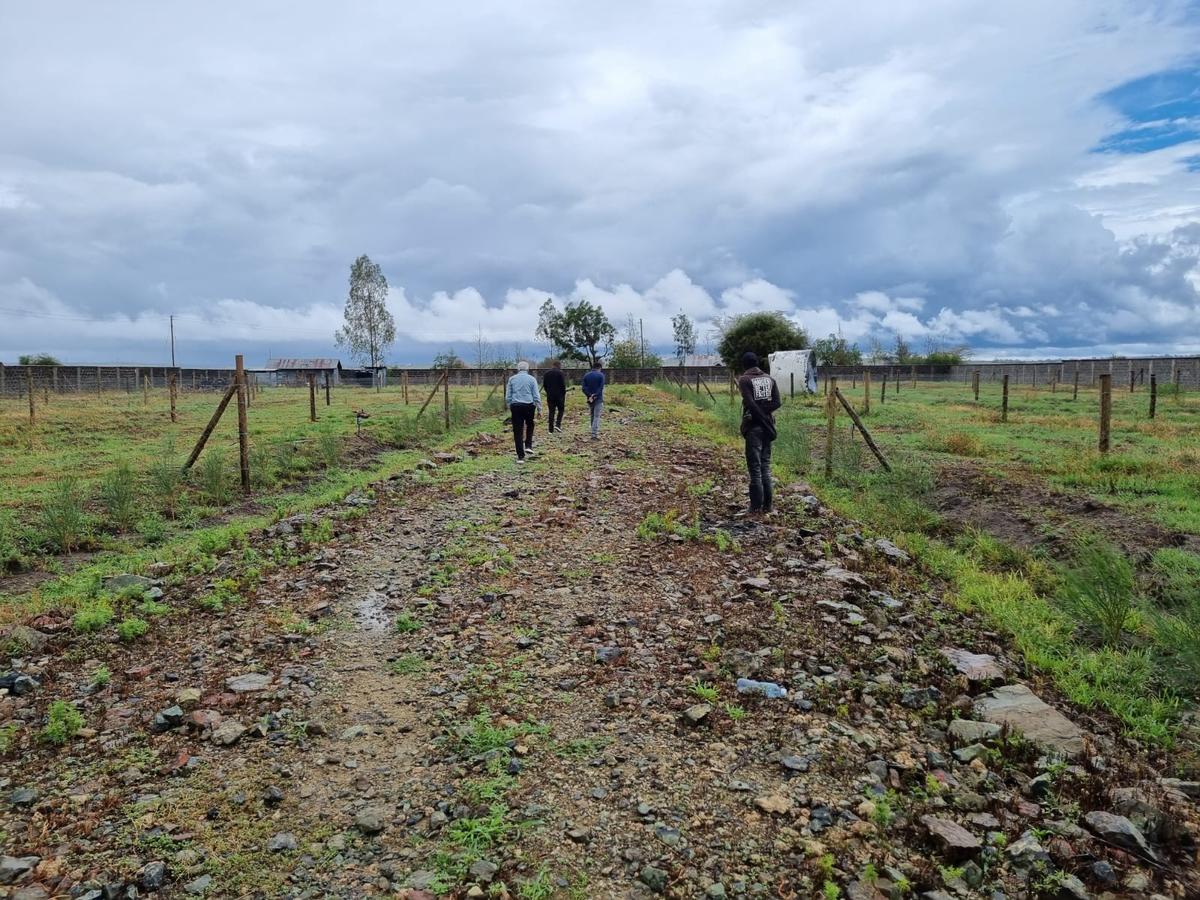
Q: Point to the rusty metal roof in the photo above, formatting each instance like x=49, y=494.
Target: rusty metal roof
x=318, y=363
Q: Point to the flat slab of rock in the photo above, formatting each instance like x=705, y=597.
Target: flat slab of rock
x=975, y=666
x=968, y=731
x=1019, y=708
x=251, y=681
x=1120, y=832
x=955, y=842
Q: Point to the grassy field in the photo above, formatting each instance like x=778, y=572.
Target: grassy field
x=103, y=473
x=1115, y=627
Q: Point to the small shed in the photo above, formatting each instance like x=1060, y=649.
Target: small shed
x=294, y=370
x=800, y=364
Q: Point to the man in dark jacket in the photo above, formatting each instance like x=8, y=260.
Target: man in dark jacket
x=555, y=385
x=760, y=399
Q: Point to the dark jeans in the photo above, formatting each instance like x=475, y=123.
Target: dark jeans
x=522, y=416
x=758, y=464
x=555, y=406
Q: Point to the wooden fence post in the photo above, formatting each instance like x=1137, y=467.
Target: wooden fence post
x=29, y=390
x=312, y=397
x=1105, y=411
x=830, y=420
x=914, y=376
x=327, y=389
x=1153, y=393
x=1004, y=400
x=243, y=436
x=437, y=384
x=792, y=386
x=1132, y=379
x=866, y=392
x=145, y=390
x=446, y=398
x=883, y=389
x=1178, y=373
x=975, y=384
x=174, y=388
x=1075, y=386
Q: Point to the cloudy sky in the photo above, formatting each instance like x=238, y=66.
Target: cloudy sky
x=1023, y=177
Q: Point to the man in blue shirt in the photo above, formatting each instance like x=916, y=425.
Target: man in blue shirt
x=593, y=392
x=524, y=399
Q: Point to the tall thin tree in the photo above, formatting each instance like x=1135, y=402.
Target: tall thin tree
x=369, y=328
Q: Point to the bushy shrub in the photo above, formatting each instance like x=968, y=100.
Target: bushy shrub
x=132, y=628
x=166, y=479
x=62, y=723
x=92, y=615
x=212, y=475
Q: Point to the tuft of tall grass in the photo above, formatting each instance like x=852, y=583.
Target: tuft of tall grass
x=328, y=447
x=1175, y=578
x=1098, y=589
x=12, y=549
x=63, y=515
x=166, y=478
x=1179, y=639
x=212, y=477
x=118, y=496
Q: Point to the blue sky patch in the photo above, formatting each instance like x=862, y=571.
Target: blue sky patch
x=1163, y=110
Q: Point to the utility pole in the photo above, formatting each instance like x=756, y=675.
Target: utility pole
x=172, y=341
x=642, y=354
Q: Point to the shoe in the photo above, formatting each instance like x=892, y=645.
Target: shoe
x=529, y=451
x=520, y=459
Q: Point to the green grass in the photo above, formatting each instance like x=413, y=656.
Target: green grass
x=1083, y=626
x=63, y=722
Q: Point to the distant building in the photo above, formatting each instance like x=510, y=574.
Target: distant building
x=698, y=359
x=293, y=370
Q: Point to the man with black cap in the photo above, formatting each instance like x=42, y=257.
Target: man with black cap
x=760, y=399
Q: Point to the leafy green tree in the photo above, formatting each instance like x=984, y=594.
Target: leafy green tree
x=448, y=360
x=763, y=333
x=580, y=331
x=835, y=350
x=627, y=354
x=903, y=353
x=685, y=336
x=38, y=359
x=369, y=328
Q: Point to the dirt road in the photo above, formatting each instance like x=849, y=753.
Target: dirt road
x=498, y=680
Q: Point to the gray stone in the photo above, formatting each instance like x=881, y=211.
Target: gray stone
x=975, y=666
x=251, y=681
x=1118, y=831
x=23, y=797
x=19, y=684
x=421, y=879
x=1018, y=708
x=696, y=714
x=28, y=639
x=153, y=876
x=200, y=885
x=890, y=550
x=31, y=892
x=371, y=820
x=120, y=582
x=282, y=842
x=954, y=841
x=969, y=753
x=171, y=717
x=1071, y=888
x=654, y=879
x=14, y=868
x=228, y=733
x=862, y=890
x=795, y=763
x=1027, y=853
x=716, y=891
x=483, y=871
x=967, y=731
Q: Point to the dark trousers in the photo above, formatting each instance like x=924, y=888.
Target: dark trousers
x=555, y=406
x=758, y=465
x=522, y=416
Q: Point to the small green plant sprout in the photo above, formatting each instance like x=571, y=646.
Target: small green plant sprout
x=825, y=865
x=884, y=812
x=92, y=615
x=406, y=623
x=100, y=677
x=870, y=874
x=118, y=495
x=831, y=891
x=62, y=723
x=705, y=692
x=8, y=737
x=735, y=712
x=712, y=653
x=132, y=628
x=409, y=664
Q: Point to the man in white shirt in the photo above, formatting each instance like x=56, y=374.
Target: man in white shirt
x=524, y=400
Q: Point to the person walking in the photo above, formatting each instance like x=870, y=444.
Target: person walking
x=554, y=382
x=593, y=390
x=760, y=399
x=524, y=400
